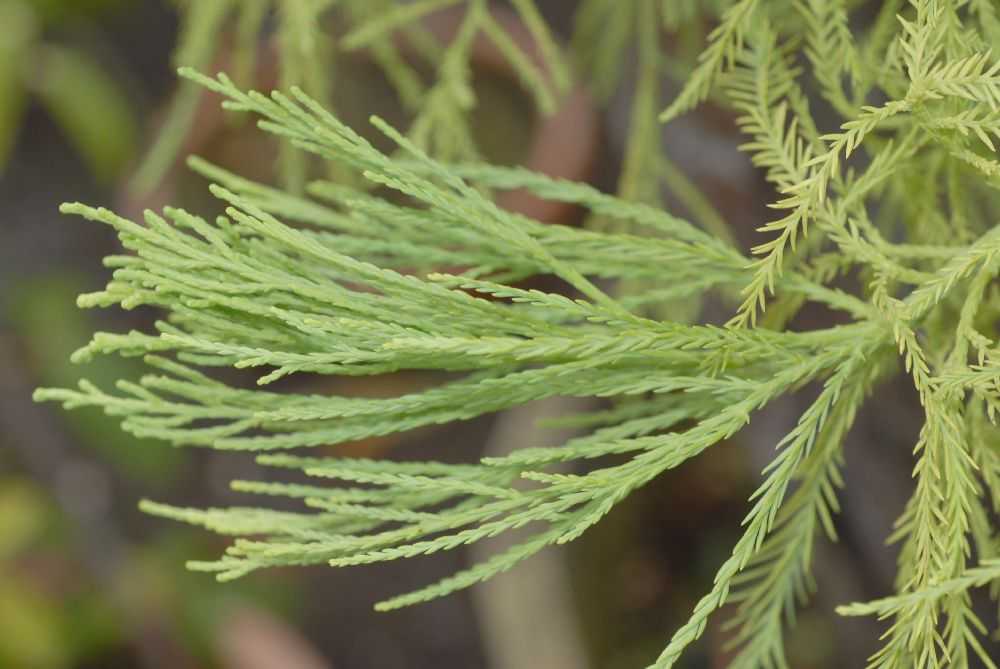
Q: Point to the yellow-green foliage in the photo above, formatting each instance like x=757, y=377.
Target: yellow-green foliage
x=342, y=281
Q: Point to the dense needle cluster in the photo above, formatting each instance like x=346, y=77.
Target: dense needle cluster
x=349, y=280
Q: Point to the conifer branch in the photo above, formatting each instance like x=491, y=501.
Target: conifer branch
x=412, y=265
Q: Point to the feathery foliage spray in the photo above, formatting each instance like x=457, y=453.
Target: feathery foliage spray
x=343, y=281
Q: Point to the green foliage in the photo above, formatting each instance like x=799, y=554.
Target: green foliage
x=312, y=34
x=348, y=280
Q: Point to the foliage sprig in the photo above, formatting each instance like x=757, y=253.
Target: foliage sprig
x=899, y=199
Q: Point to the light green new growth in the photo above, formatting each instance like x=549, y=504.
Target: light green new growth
x=898, y=197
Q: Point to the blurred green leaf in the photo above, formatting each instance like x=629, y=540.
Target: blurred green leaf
x=90, y=108
x=12, y=105
x=29, y=628
x=20, y=31
x=23, y=515
x=20, y=23
x=59, y=10
x=90, y=623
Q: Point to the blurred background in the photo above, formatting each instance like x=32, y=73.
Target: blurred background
x=88, y=581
